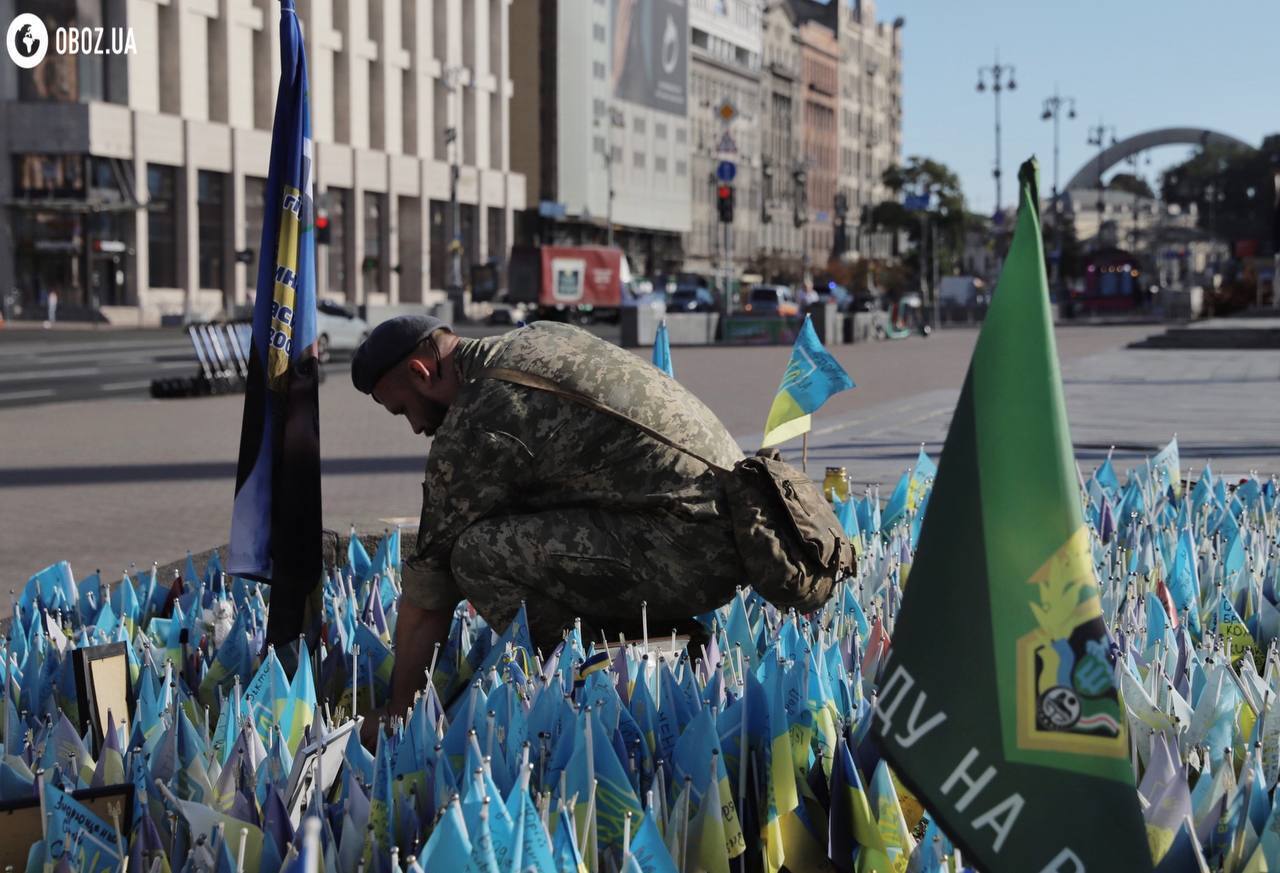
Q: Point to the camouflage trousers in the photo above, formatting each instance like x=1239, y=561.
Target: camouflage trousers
x=597, y=566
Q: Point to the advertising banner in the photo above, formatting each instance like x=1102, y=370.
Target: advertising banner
x=650, y=57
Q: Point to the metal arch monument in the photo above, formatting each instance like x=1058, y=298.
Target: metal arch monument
x=1088, y=175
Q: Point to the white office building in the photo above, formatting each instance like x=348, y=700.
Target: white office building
x=134, y=184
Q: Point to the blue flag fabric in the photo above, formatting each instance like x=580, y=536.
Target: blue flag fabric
x=275, y=523
x=662, y=350
x=812, y=376
x=73, y=831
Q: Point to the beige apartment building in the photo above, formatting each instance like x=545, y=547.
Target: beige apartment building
x=833, y=79
x=781, y=252
x=870, y=119
x=134, y=184
x=725, y=61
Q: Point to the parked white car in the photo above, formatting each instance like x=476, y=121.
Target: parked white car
x=338, y=329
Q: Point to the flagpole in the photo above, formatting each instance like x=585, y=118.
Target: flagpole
x=804, y=453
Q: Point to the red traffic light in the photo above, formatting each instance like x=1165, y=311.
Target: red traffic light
x=724, y=192
x=322, y=222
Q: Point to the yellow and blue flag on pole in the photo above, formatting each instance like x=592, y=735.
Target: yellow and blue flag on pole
x=811, y=377
x=275, y=521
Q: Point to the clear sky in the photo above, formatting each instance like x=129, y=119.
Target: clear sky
x=1134, y=64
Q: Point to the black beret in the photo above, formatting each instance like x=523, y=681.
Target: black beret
x=387, y=345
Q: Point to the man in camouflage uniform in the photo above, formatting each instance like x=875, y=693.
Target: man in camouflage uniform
x=536, y=498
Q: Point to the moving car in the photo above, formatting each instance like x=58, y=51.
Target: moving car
x=837, y=294
x=338, y=329
x=771, y=300
x=961, y=291
x=691, y=299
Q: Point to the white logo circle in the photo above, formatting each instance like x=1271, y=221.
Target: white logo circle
x=27, y=40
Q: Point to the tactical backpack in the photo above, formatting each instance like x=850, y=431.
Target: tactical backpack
x=785, y=530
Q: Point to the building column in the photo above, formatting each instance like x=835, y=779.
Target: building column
x=409, y=241
x=187, y=227
x=138, y=279
x=355, y=243
x=237, y=274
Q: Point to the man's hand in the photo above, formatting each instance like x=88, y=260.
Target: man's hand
x=418, y=632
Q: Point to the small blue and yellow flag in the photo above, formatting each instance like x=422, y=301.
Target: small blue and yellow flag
x=811, y=377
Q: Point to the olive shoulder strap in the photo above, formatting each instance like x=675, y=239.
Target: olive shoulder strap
x=542, y=383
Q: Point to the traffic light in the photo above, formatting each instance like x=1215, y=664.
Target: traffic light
x=322, y=228
x=724, y=203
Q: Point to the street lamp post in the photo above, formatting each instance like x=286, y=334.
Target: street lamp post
x=998, y=72
x=1098, y=137
x=615, y=119
x=1053, y=107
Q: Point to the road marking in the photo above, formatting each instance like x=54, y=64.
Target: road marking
x=74, y=373
x=97, y=355
x=26, y=395
x=126, y=386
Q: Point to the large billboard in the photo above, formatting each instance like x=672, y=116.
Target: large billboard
x=651, y=53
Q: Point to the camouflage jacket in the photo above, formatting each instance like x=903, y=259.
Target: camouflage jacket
x=508, y=449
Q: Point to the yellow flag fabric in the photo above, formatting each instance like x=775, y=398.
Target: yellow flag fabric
x=812, y=376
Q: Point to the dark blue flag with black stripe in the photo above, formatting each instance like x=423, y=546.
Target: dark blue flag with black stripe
x=275, y=521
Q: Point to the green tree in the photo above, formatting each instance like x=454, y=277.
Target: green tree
x=946, y=212
x=1232, y=188
x=1131, y=184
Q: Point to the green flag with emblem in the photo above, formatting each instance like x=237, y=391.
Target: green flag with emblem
x=998, y=703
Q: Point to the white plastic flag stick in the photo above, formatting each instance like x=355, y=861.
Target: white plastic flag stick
x=355, y=679
x=644, y=622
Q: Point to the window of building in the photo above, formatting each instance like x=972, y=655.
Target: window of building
x=637, y=124
x=162, y=226
x=682, y=136
x=659, y=164
x=699, y=38
x=660, y=130
x=597, y=145
x=211, y=226
x=255, y=201
x=682, y=168
x=597, y=70
x=468, y=217
x=61, y=78
x=337, y=200
x=439, y=236
x=617, y=154
x=375, y=219
x=598, y=33
x=638, y=160
x=497, y=234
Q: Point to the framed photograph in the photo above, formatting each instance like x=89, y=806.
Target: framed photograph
x=21, y=822
x=102, y=685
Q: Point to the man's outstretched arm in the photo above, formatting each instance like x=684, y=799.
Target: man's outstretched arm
x=418, y=631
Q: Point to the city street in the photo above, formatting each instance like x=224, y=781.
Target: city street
x=39, y=366
x=83, y=363
x=114, y=480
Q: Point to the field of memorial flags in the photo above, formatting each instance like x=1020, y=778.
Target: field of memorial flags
x=754, y=752
x=1063, y=669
